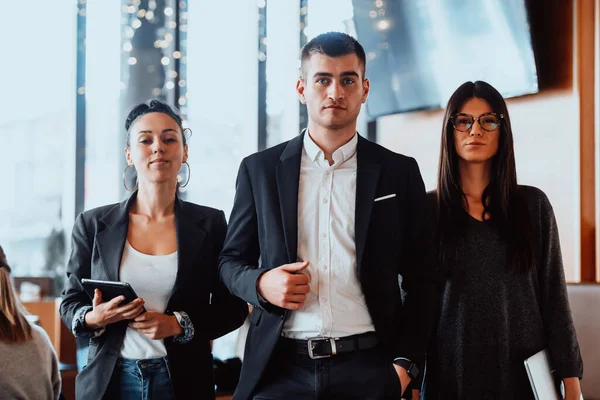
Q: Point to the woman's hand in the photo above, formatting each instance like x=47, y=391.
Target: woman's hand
x=110, y=312
x=572, y=388
x=156, y=325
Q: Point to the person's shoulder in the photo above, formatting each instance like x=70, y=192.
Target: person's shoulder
x=39, y=333
x=533, y=195
x=381, y=150
x=432, y=201
x=537, y=201
x=432, y=195
x=40, y=337
x=383, y=153
x=271, y=154
x=200, y=210
x=98, y=212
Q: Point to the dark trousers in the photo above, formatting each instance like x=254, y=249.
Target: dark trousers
x=362, y=374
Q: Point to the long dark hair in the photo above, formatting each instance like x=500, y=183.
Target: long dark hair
x=501, y=198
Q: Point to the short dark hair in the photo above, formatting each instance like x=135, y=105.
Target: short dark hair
x=152, y=106
x=333, y=44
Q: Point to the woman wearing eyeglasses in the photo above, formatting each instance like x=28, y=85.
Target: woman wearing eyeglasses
x=504, y=296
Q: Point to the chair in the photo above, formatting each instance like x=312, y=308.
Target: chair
x=584, y=299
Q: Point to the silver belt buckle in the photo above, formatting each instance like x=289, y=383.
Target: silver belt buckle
x=321, y=338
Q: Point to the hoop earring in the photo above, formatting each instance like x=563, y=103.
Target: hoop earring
x=125, y=179
x=189, y=175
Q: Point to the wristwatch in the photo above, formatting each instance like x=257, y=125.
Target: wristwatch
x=411, y=368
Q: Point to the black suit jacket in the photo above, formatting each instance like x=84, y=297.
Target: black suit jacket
x=98, y=239
x=391, y=237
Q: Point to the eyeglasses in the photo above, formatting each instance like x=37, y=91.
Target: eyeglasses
x=488, y=121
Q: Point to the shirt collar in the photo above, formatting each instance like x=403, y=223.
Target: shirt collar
x=341, y=155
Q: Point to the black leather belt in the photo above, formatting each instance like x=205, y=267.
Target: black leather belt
x=322, y=347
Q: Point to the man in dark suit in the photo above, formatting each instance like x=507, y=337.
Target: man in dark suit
x=322, y=230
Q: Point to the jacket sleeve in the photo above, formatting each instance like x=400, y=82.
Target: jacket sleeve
x=420, y=281
x=556, y=312
x=238, y=263
x=227, y=312
x=74, y=296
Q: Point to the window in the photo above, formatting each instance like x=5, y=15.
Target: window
x=37, y=131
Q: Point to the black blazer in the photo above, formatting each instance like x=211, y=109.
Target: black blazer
x=98, y=239
x=391, y=236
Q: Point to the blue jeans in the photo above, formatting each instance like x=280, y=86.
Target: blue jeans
x=141, y=380
x=82, y=355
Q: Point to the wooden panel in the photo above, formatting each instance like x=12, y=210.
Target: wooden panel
x=597, y=128
x=586, y=62
x=46, y=310
x=68, y=383
x=551, y=24
x=61, y=337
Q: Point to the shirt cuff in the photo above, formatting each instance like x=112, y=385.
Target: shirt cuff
x=262, y=302
x=185, y=322
x=78, y=326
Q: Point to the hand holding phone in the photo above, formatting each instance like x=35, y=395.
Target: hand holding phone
x=105, y=313
x=112, y=302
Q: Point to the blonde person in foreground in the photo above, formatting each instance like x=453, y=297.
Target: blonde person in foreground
x=28, y=363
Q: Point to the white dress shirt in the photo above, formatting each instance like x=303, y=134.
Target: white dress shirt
x=335, y=306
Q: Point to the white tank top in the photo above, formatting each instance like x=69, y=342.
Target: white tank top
x=152, y=278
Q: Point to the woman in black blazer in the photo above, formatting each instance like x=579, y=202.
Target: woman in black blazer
x=167, y=250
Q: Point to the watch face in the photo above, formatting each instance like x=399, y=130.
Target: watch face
x=411, y=368
x=413, y=371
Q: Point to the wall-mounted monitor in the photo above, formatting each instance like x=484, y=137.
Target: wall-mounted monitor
x=420, y=51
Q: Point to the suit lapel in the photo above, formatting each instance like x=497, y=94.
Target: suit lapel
x=111, y=240
x=288, y=176
x=367, y=177
x=189, y=241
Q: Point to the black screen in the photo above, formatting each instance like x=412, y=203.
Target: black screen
x=420, y=51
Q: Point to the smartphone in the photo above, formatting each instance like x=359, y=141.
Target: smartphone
x=109, y=289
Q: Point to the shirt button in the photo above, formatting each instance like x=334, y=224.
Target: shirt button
x=325, y=267
x=324, y=236
x=325, y=201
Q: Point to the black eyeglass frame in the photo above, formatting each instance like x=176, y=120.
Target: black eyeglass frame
x=499, y=116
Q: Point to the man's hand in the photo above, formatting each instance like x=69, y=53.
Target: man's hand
x=416, y=394
x=156, y=325
x=285, y=286
x=402, y=376
x=110, y=312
